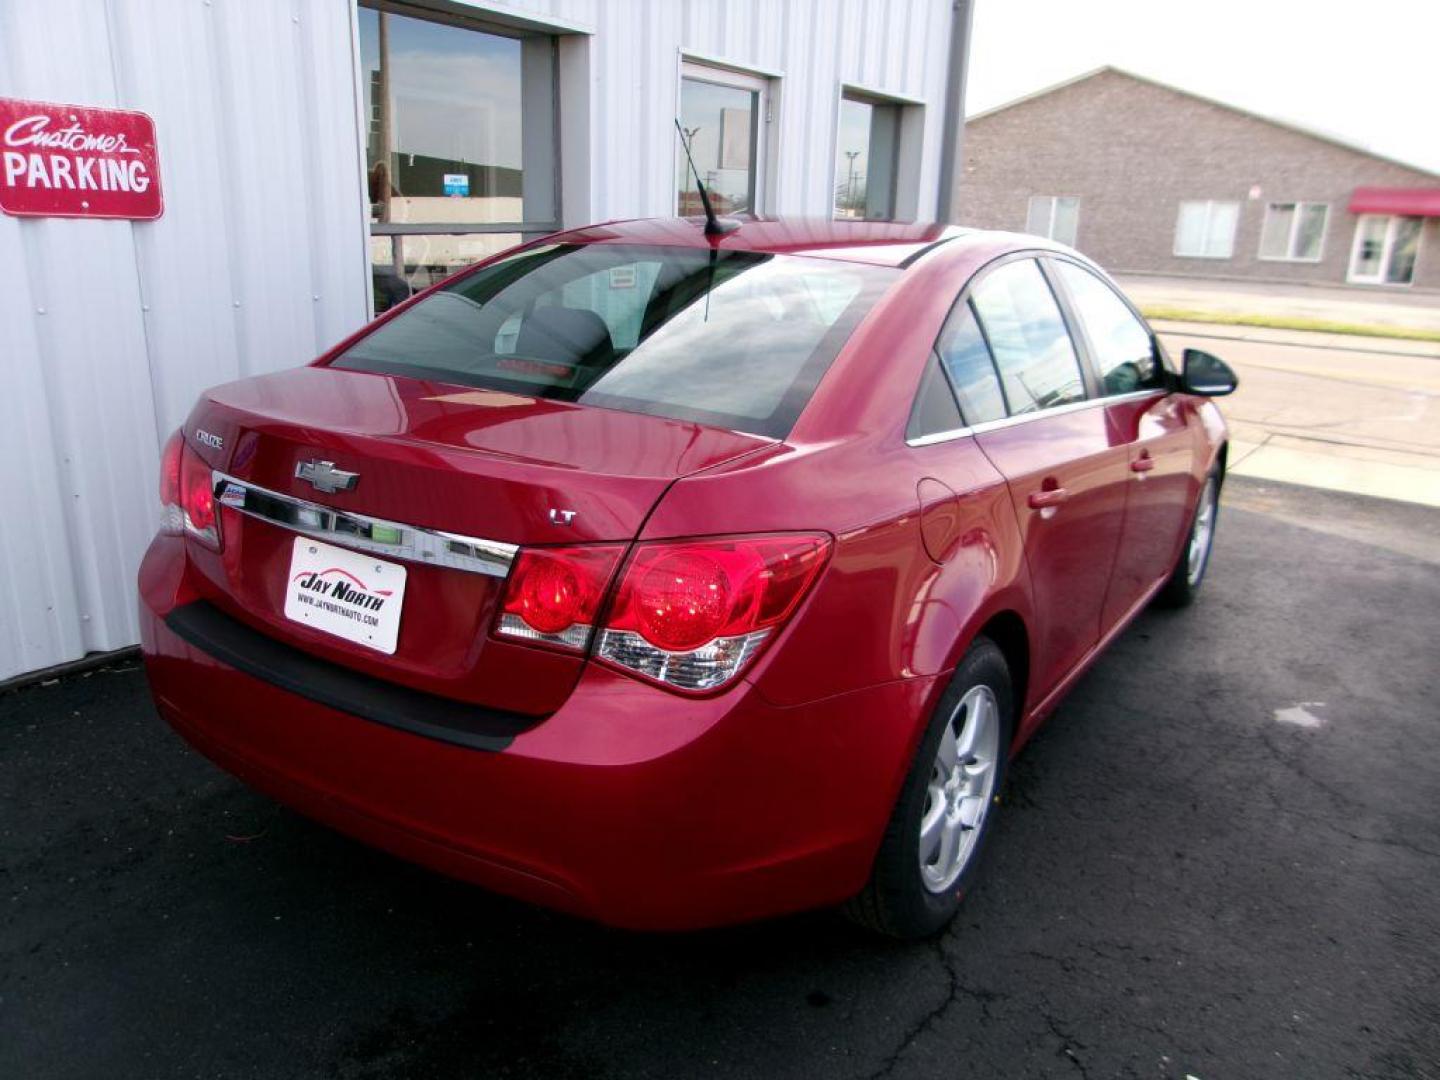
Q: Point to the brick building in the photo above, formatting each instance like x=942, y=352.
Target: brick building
x=1146, y=178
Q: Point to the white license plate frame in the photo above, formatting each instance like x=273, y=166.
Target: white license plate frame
x=346, y=594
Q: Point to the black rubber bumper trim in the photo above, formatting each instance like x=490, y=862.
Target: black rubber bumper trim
x=232, y=642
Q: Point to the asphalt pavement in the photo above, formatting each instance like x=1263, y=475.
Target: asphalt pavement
x=1220, y=859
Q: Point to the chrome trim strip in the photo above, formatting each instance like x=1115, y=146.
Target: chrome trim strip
x=1025, y=418
x=361, y=532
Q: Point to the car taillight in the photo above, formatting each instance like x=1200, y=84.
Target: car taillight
x=688, y=614
x=692, y=614
x=553, y=594
x=187, y=492
x=172, y=520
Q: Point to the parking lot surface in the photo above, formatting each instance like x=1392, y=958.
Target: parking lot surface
x=1221, y=858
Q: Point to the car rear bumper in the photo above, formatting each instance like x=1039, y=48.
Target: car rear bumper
x=629, y=805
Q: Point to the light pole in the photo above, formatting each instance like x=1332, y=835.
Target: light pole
x=850, y=183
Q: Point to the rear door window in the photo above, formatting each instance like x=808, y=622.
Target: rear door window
x=934, y=411
x=972, y=372
x=736, y=339
x=1022, y=323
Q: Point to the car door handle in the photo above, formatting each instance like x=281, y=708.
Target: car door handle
x=1047, y=498
x=1142, y=464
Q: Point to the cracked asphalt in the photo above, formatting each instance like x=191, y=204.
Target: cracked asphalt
x=1184, y=883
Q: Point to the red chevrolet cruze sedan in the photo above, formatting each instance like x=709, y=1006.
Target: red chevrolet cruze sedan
x=674, y=579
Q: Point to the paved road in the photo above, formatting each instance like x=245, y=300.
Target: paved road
x=1361, y=416
x=1220, y=859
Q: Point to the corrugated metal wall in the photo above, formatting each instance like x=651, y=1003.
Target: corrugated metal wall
x=109, y=329
x=899, y=47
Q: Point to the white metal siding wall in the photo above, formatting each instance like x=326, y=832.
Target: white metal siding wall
x=896, y=47
x=109, y=329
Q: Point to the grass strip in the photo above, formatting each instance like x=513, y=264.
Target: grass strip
x=1286, y=322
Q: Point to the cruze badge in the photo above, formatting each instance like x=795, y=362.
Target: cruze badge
x=324, y=476
x=215, y=442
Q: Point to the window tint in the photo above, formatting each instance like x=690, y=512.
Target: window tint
x=737, y=339
x=967, y=361
x=934, y=410
x=1121, y=345
x=1027, y=336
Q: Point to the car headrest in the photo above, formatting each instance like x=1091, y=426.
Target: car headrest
x=570, y=335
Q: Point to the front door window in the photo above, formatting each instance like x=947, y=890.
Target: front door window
x=1385, y=249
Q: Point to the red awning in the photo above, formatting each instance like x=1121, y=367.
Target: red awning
x=1419, y=202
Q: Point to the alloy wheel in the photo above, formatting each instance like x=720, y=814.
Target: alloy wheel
x=1202, y=534
x=960, y=789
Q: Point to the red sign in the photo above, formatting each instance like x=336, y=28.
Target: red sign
x=70, y=161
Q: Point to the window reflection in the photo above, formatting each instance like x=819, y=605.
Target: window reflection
x=446, y=123
x=460, y=133
x=734, y=338
x=866, y=150
x=720, y=128
x=1124, y=351
x=401, y=266
x=1027, y=336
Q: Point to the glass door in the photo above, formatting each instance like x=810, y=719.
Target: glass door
x=1385, y=249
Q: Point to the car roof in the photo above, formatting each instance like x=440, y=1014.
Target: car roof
x=879, y=243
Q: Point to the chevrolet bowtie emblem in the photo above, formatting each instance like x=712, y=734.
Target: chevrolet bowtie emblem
x=324, y=476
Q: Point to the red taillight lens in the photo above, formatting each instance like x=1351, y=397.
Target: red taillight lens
x=187, y=491
x=553, y=594
x=681, y=599
x=171, y=522
x=197, y=494
x=693, y=614
x=688, y=614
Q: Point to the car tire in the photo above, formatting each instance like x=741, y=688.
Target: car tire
x=911, y=897
x=1194, y=558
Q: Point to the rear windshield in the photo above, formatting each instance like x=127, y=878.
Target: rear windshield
x=736, y=339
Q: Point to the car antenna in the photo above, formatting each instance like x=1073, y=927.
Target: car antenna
x=714, y=226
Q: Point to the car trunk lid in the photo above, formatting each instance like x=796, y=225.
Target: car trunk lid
x=448, y=481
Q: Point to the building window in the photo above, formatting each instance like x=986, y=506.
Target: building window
x=1205, y=229
x=1385, y=250
x=867, y=158
x=1293, y=232
x=1054, y=216
x=722, y=114
x=460, y=146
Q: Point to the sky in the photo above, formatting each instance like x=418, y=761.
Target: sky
x=1365, y=72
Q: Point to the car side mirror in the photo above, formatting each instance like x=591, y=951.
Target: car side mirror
x=1207, y=375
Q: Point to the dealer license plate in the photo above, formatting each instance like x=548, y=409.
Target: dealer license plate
x=346, y=593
